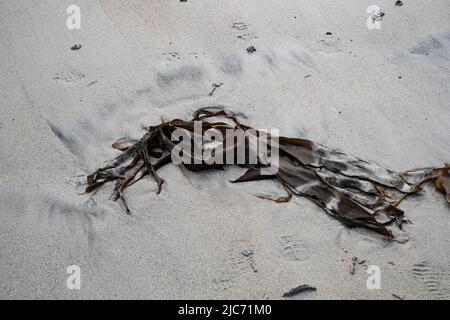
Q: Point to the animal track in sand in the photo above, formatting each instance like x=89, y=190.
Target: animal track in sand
x=436, y=280
x=176, y=56
x=333, y=44
x=70, y=77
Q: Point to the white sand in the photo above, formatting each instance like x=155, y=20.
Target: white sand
x=152, y=59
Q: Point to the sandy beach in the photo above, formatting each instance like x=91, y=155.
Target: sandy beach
x=318, y=72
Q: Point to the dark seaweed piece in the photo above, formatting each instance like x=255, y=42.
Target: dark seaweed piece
x=253, y=174
x=214, y=88
x=396, y=296
x=357, y=192
x=353, y=265
x=300, y=289
x=442, y=184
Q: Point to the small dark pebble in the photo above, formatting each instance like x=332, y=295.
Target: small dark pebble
x=399, y=3
x=76, y=47
x=329, y=34
x=251, y=49
x=298, y=290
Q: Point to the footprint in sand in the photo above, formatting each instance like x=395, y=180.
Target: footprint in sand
x=427, y=46
x=239, y=26
x=331, y=44
x=246, y=36
x=240, y=263
x=293, y=249
x=242, y=256
x=436, y=280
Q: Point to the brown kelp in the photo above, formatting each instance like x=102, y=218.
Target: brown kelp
x=357, y=192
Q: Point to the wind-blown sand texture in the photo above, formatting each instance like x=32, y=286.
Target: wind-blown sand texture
x=381, y=95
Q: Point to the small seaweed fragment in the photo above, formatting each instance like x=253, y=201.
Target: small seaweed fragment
x=214, y=88
x=396, y=296
x=282, y=199
x=300, y=289
x=357, y=192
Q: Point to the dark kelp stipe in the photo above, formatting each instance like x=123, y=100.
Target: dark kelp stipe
x=357, y=192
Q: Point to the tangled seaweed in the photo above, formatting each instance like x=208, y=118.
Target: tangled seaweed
x=356, y=192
